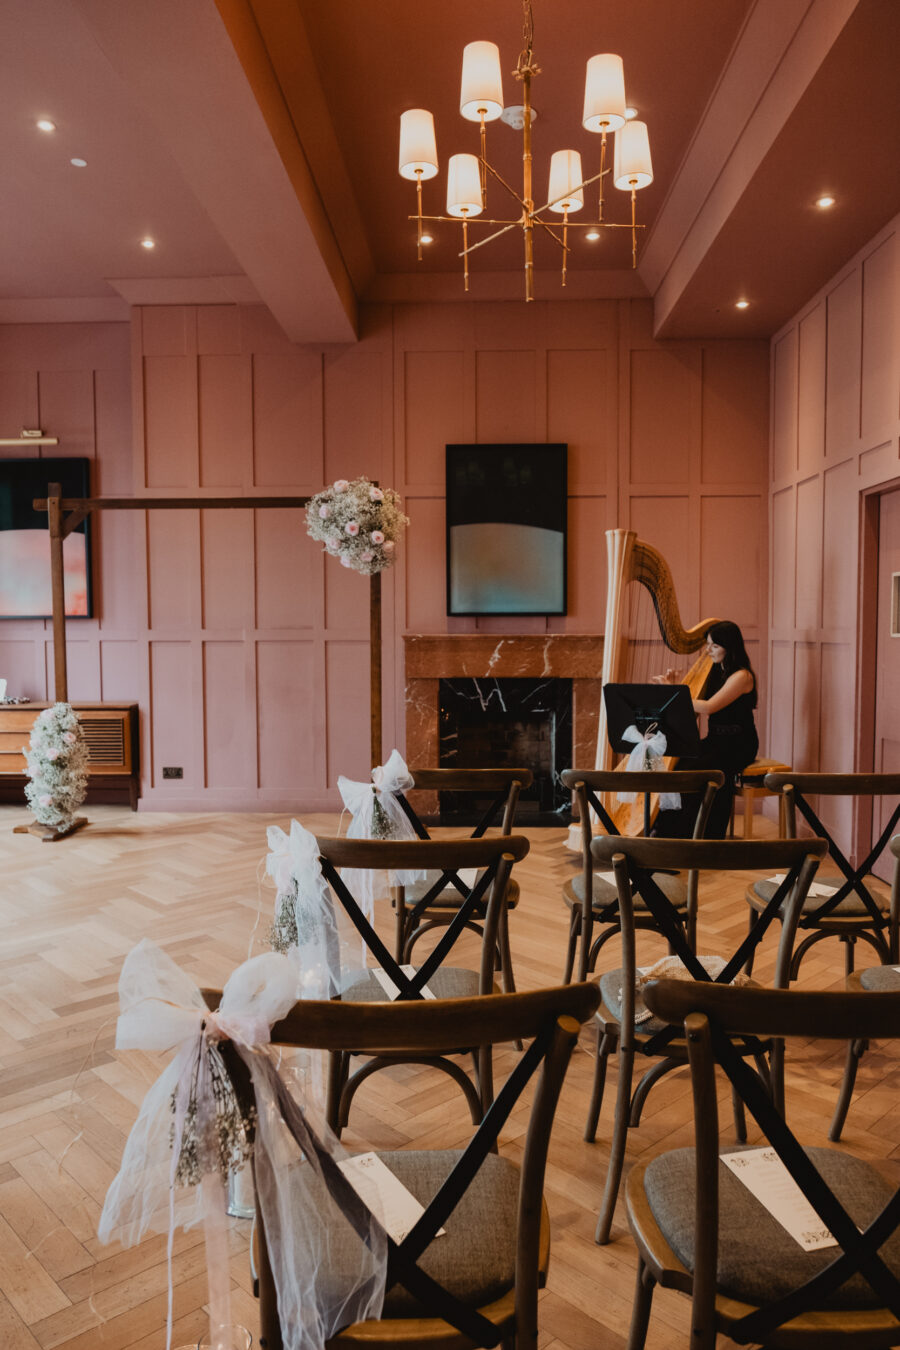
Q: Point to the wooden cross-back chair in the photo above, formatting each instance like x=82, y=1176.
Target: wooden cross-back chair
x=593, y=899
x=477, y=1284
x=429, y=905
x=628, y=654
x=875, y=979
x=620, y=1019
x=493, y=858
x=862, y=906
x=700, y=1230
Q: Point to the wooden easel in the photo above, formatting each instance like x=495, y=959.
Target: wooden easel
x=64, y=514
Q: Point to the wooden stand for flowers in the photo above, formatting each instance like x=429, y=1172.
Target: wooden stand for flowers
x=48, y=834
x=65, y=514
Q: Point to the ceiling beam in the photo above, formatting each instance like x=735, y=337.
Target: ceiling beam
x=186, y=76
x=782, y=45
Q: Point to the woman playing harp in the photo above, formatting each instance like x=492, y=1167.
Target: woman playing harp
x=642, y=635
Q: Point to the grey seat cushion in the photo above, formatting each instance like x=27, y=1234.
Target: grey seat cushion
x=449, y=898
x=475, y=1258
x=605, y=893
x=446, y=982
x=611, y=994
x=851, y=907
x=882, y=979
x=758, y=1259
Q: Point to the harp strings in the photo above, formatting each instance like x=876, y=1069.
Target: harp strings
x=647, y=653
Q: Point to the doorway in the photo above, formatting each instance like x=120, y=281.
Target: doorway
x=886, y=730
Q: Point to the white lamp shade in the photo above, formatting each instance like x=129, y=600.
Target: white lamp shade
x=631, y=162
x=565, y=192
x=418, y=150
x=464, y=186
x=482, y=84
x=604, y=93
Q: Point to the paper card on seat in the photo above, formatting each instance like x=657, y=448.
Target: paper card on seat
x=395, y=1208
x=608, y=877
x=766, y=1177
x=818, y=889
x=393, y=990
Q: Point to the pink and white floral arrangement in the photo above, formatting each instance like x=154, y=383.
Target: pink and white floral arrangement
x=358, y=523
x=57, y=758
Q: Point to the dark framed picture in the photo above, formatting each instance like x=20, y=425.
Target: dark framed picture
x=25, y=542
x=506, y=529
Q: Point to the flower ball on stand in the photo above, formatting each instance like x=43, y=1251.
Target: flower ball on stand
x=57, y=761
x=358, y=523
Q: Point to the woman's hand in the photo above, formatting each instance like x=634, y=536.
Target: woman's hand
x=670, y=677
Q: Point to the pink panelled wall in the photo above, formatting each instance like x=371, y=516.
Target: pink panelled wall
x=73, y=381
x=835, y=375
x=247, y=653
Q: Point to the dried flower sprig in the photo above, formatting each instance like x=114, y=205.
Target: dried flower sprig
x=224, y=1144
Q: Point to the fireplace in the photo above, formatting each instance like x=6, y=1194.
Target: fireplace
x=493, y=723
x=480, y=662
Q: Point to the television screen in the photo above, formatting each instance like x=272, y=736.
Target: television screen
x=506, y=529
x=25, y=541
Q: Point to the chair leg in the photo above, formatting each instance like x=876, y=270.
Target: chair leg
x=617, y=1150
x=334, y=1087
x=400, y=931
x=849, y=941
x=776, y=1071
x=855, y=1052
x=574, y=930
x=740, y=1118
x=748, y=967
x=640, y=1309
x=605, y=1047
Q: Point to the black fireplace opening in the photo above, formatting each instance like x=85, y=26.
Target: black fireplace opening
x=491, y=723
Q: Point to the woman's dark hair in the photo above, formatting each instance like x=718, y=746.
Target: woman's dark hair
x=727, y=634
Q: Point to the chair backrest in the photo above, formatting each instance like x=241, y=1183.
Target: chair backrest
x=550, y=1020
x=587, y=783
x=493, y=858
x=712, y=1015
x=797, y=788
x=634, y=860
x=503, y=786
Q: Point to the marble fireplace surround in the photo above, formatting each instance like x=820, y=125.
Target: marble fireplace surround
x=434, y=656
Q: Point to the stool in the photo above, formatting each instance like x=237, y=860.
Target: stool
x=750, y=785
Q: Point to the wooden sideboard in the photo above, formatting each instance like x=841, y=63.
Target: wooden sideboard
x=111, y=731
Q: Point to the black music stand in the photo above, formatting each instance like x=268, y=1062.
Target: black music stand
x=665, y=707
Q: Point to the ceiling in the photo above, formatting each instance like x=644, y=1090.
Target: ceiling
x=256, y=142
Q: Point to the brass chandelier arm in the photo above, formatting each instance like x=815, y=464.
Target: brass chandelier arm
x=586, y=183
x=511, y=225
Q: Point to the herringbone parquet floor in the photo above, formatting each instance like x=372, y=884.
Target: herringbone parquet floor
x=70, y=911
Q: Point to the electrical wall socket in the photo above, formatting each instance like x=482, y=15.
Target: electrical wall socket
x=170, y=772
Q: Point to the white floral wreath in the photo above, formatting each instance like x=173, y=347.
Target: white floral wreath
x=357, y=522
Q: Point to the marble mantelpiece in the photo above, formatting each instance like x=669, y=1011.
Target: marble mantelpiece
x=431, y=657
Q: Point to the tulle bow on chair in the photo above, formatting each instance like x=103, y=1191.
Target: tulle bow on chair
x=192, y=1130
x=378, y=815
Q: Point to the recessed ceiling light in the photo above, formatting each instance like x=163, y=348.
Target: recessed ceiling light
x=427, y=239
x=592, y=236
x=630, y=113
x=44, y=124
x=823, y=203
x=148, y=243
x=741, y=304
x=79, y=163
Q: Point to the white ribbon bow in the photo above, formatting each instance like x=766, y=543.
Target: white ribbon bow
x=162, y=1009
x=649, y=748
x=367, y=885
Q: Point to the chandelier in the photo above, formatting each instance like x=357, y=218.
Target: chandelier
x=481, y=100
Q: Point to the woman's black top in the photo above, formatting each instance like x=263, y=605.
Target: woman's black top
x=731, y=731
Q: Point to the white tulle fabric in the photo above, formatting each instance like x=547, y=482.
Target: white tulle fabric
x=649, y=748
x=367, y=886
x=327, y=955
x=162, y=1009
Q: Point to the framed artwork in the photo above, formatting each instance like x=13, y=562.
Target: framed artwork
x=506, y=529
x=25, y=543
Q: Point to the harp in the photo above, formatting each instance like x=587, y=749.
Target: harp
x=632, y=641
